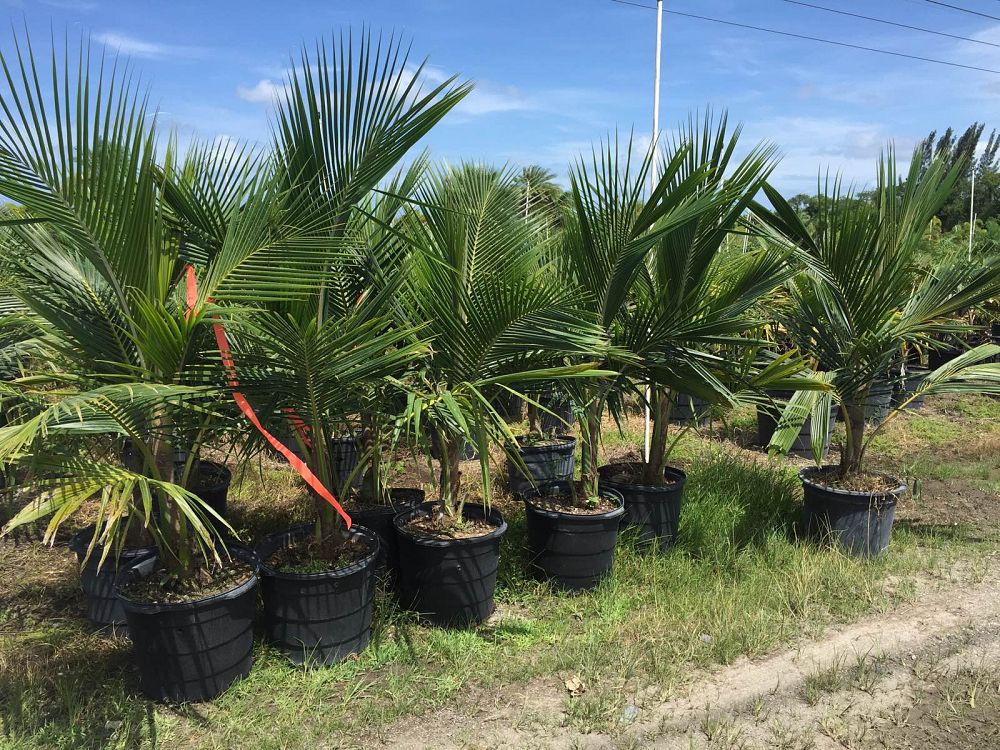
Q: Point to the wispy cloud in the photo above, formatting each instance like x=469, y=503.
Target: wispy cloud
x=134, y=47
x=83, y=6
x=265, y=91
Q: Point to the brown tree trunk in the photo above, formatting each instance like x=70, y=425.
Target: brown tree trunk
x=656, y=462
x=850, y=457
x=450, y=475
x=589, y=449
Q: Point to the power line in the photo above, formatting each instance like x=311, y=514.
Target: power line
x=963, y=10
x=892, y=23
x=813, y=38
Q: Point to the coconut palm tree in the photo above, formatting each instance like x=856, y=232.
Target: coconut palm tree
x=99, y=262
x=657, y=274
x=485, y=301
x=865, y=295
x=352, y=108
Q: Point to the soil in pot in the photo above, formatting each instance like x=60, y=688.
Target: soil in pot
x=769, y=415
x=192, y=639
x=98, y=582
x=378, y=518
x=855, y=513
x=316, y=610
x=571, y=545
x=447, y=574
x=212, y=485
x=548, y=460
x=654, y=511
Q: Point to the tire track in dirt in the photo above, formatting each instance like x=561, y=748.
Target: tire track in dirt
x=750, y=703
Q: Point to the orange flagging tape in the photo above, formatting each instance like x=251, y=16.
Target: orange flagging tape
x=227, y=362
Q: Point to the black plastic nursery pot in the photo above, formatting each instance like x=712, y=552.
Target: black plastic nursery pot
x=768, y=416
x=212, y=485
x=104, y=609
x=318, y=618
x=907, y=385
x=572, y=550
x=379, y=520
x=449, y=582
x=192, y=651
x=547, y=462
x=689, y=410
x=508, y=406
x=468, y=452
x=653, y=510
x=345, y=453
x=561, y=416
x=878, y=403
x=860, y=523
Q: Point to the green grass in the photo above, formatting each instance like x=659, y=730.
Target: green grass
x=738, y=583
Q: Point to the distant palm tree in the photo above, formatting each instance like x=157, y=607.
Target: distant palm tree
x=539, y=193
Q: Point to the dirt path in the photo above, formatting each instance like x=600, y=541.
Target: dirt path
x=923, y=676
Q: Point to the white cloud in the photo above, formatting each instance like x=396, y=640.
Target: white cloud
x=264, y=92
x=133, y=47
x=83, y=6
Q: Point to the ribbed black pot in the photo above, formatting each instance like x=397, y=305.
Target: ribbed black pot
x=192, y=651
x=907, y=385
x=572, y=550
x=561, y=417
x=653, y=510
x=548, y=463
x=345, y=453
x=941, y=356
x=104, y=609
x=687, y=409
x=318, y=618
x=860, y=523
x=468, y=452
x=878, y=403
x=379, y=520
x=449, y=582
x=212, y=485
x=768, y=416
x=508, y=406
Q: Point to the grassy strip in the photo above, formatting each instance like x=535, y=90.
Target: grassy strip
x=738, y=583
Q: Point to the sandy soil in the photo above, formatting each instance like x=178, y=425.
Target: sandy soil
x=920, y=677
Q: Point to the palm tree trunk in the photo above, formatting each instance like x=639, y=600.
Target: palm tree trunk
x=850, y=457
x=450, y=476
x=590, y=443
x=656, y=463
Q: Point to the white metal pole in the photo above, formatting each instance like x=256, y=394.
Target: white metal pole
x=653, y=176
x=972, y=211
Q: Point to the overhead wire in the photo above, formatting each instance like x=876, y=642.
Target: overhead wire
x=806, y=37
x=963, y=10
x=892, y=23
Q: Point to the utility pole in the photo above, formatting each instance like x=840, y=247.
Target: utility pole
x=653, y=176
x=972, y=211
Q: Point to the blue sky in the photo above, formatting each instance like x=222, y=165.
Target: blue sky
x=555, y=75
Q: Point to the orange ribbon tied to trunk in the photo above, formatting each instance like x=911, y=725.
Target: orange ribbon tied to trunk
x=241, y=401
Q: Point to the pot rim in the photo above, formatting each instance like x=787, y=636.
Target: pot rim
x=224, y=482
x=151, y=608
x=607, y=492
x=369, y=536
x=679, y=474
x=400, y=520
x=894, y=493
x=561, y=442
